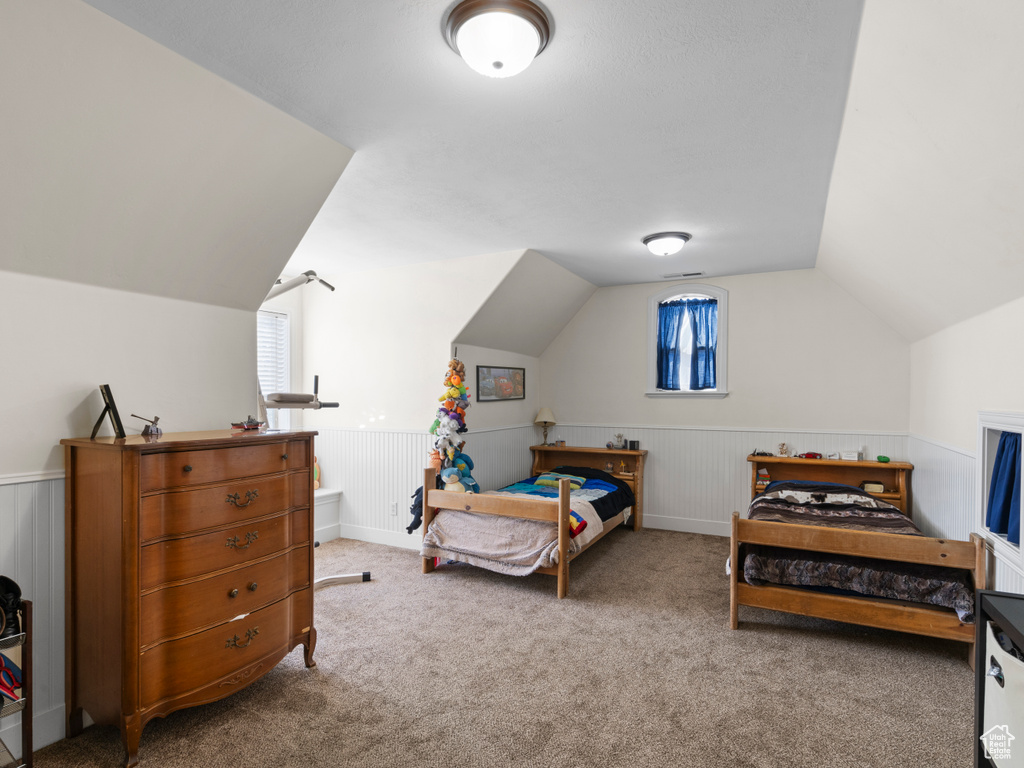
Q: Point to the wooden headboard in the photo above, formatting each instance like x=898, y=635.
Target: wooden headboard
x=628, y=466
x=893, y=475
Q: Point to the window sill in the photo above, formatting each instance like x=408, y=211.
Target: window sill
x=712, y=393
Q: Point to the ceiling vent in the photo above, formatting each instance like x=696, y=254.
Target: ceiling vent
x=682, y=275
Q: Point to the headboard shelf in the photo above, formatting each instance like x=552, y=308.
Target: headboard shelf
x=894, y=476
x=547, y=457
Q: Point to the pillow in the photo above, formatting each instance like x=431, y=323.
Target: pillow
x=552, y=478
x=576, y=525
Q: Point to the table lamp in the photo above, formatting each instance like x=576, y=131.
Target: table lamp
x=546, y=419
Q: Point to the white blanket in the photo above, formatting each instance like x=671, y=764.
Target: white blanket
x=509, y=545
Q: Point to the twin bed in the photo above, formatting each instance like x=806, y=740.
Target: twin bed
x=542, y=523
x=816, y=544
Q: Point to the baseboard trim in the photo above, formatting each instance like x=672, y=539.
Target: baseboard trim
x=31, y=477
x=47, y=729
x=327, y=533
x=377, y=536
x=687, y=525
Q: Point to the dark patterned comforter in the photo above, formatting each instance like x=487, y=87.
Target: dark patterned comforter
x=841, y=506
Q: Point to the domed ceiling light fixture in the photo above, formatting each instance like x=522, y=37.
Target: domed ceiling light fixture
x=666, y=243
x=497, y=38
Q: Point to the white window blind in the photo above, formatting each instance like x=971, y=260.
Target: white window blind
x=272, y=362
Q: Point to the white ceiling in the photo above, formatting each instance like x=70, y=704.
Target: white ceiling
x=718, y=118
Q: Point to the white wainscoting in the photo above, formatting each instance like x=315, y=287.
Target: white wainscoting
x=32, y=553
x=694, y=478
x=945, y=501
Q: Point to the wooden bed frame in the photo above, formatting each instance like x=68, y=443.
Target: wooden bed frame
x=556, y=511
x=932, y=621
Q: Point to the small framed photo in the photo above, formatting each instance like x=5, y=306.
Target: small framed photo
x=109, y=409
x=493, y=383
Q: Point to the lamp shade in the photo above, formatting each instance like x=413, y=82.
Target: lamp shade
x=497, y=38
x=545, y=417
x=666, y=243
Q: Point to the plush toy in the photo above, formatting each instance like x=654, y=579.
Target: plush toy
x=452, y=480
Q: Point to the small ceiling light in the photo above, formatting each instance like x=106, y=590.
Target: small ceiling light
x=666, y=243
x=497, y=38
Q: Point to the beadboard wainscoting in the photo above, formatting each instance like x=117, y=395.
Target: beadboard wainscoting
x=378, y=472
x=32, y=553
x=694, y=478
x=945, y=501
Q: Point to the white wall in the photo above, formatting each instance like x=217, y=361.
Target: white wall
x=499, y=413
x=381, y=342
x=291, y=304
x=127, y=166
x=193, y=365
x=803, y=354
x=975, y=365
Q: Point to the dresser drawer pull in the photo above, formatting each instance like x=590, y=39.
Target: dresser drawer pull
x=250, y=497
x=249, y=635
x=284, y=456
x=188, y=467
x=233, y=592
x=252, y=587
x=236, y=543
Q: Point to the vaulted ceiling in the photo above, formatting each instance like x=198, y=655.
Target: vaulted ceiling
x=720, y=119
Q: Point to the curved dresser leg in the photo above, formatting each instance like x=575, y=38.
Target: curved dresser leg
x=130, y=735
x=310, y=646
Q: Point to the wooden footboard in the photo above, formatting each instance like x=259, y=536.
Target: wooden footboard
x=550, y=510
x=904, y=617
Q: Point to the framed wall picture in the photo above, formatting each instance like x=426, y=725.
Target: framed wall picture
x=493, y=383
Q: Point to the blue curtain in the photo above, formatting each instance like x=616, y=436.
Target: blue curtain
x=703, y=372
x=1004, y=491
x=671, y=315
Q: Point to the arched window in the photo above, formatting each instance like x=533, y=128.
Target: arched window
x=687, y=340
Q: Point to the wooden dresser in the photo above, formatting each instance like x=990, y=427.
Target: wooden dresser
x=189, y=570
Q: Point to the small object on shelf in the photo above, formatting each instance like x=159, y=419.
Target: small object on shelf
x=850, y=456
x=620, y=441
x=870, y=487
x=783, y=449
x=634, y=445
x=151, y=429
x=622, y=467
x=249, y=423
x=833, y=455
x=883, y=459
x=809, y=455
x=609, y=467
x=762, y=453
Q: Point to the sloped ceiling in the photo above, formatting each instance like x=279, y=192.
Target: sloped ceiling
x=528, y=309
x=717, y=118
x=924, y=221
x=129, y=167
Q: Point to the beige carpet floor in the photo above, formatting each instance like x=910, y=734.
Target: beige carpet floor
x=637, y=667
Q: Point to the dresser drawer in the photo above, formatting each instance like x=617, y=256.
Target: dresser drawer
x=176, y=667
x=177, y=512
x=180, y=610
x=215, y=465
x=190, y=556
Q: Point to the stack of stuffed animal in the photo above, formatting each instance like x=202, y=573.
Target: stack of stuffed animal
x=447, y=457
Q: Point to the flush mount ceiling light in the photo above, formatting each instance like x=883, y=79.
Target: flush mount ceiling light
x=497, y=38
x=666, y=243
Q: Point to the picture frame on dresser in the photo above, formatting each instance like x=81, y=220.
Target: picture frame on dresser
x=212, y=582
